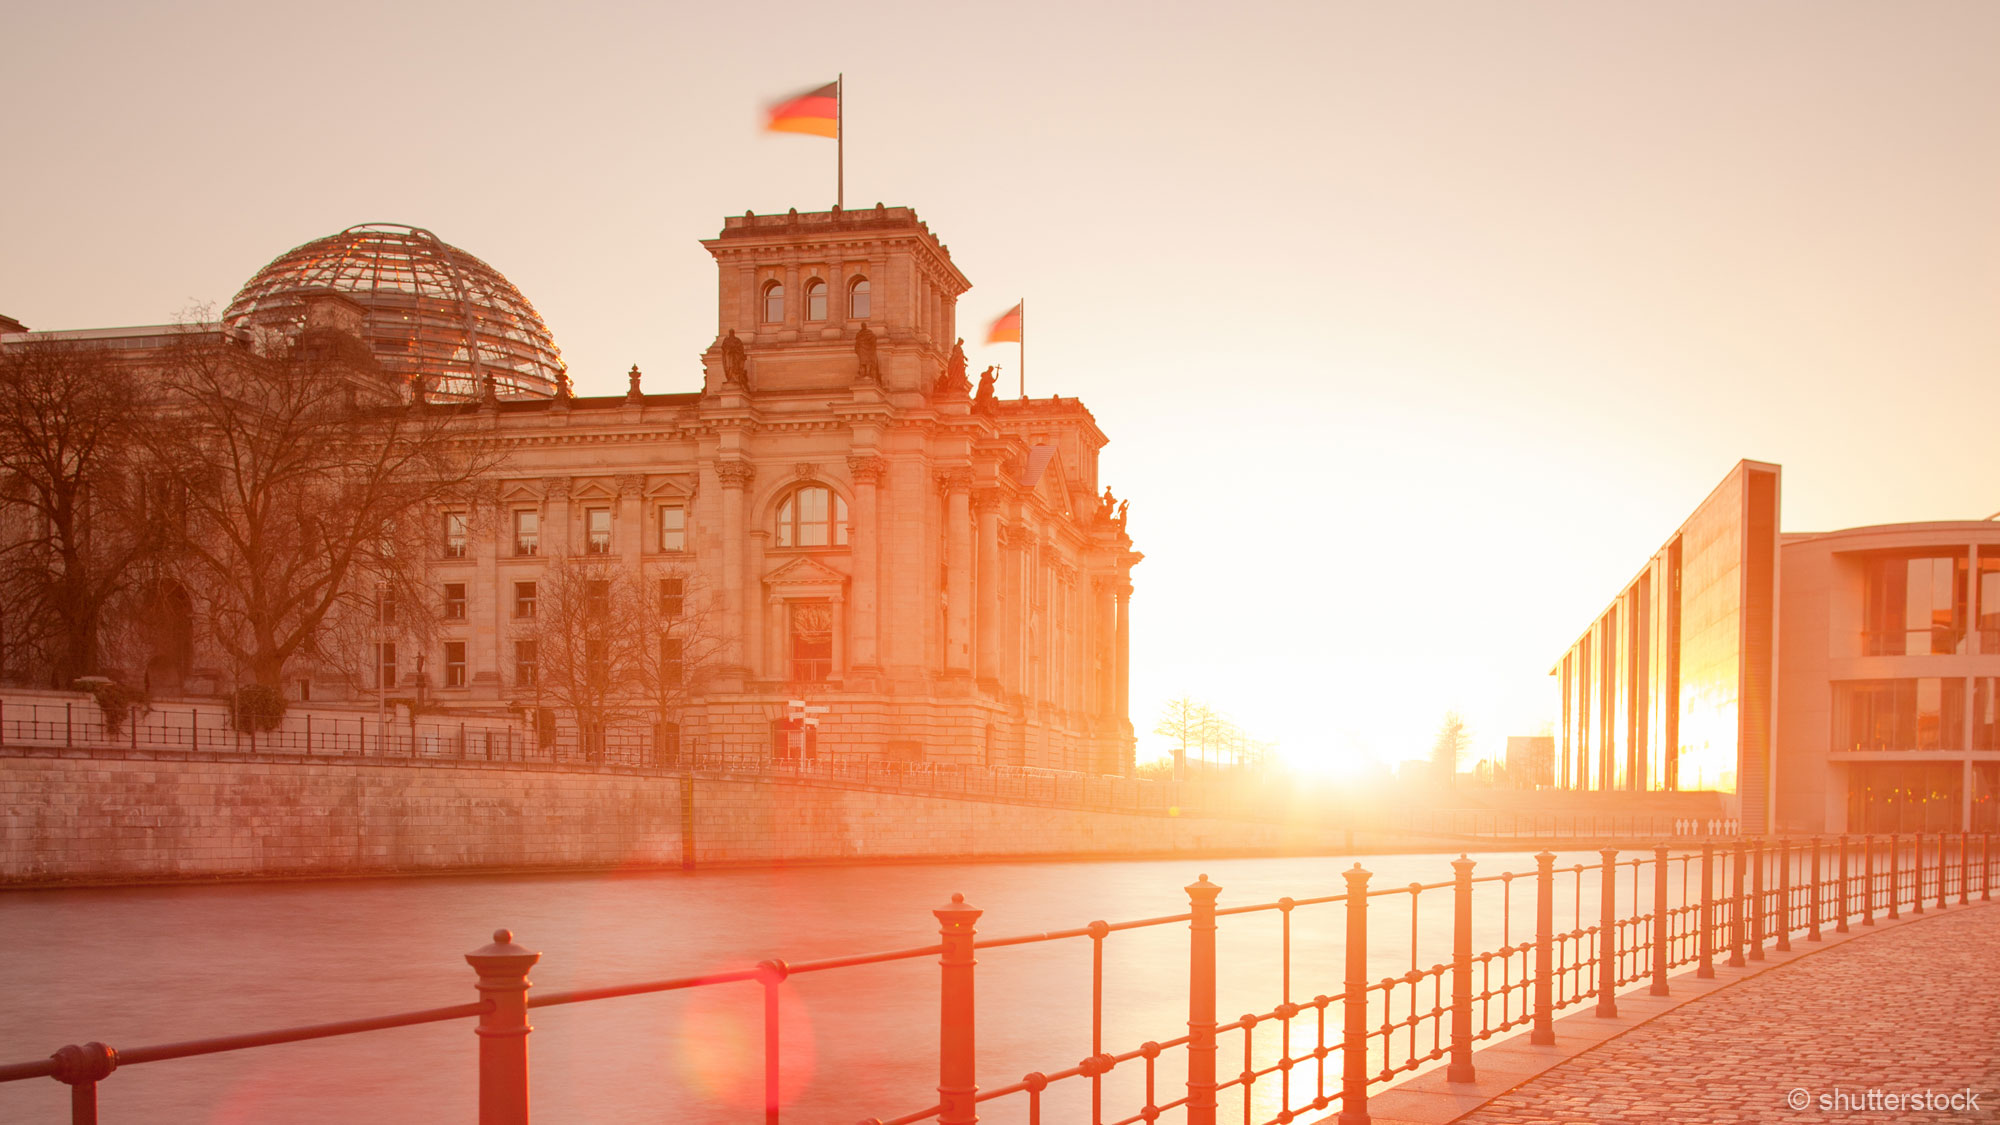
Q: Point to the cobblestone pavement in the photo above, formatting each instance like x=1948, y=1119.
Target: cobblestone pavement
x=1904, y=1011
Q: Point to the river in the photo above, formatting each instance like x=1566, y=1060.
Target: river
x=143, y=965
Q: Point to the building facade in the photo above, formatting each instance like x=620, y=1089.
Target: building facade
x=1824, y=682
x=940, y=570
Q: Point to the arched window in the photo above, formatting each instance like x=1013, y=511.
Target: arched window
x=857, y=299
x=774, y=303
x=812, y=516
x=815, y=300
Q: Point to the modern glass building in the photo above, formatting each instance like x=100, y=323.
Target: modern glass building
x=1836, y=681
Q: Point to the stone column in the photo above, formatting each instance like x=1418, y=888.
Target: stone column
x=490, y=650
x=631, y=524
x=864, y=539
x=735, y=476
x=958, y=571
x=555, y=516
x=986, y=614
x=1104, y=644
x=1122, y=704
x=757, y=658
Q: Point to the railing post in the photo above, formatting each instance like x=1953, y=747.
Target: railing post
x=1201, y=1003
x=1756, y=847
x=1964, y=855
x=1545, y=912
x=1663, y=921
x=1986, y=867
x=1784, y=915
x=771, y=975
x=503, y=1029
x=1607, y=934
x=1917, y=873
x=958, y=1081
x=1841, y=891
x=1460, y=1069
x=1706, y=969
x=81, y=1068
x=1736, y=896
x=1895, y=875
x=1868, y=879
x=1353, y=1006
x=1940, y=871
x=1812, y=924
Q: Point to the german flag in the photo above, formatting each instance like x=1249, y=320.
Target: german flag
x=1006, y=330
x=815, y=111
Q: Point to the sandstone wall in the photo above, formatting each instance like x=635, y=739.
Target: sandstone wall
x=81, y=820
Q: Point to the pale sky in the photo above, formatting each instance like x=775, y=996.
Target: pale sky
x=1416, y=327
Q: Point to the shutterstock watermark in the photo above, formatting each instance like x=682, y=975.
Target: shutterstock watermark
x=1874, y=1099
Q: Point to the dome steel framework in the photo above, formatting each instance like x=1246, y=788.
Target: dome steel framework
x=432, y=310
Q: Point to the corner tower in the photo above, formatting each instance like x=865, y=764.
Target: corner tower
x=797, y=289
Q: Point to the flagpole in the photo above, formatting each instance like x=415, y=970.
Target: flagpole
x=839, y=141
x=1021, y=368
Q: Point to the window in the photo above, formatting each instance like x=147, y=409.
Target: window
x=1927, y=713
x=454, y=601
x=1914, y=607
x=813, y=516
x=527, y=532
x=597, y=531
x=385, y=606
x=457, y=532
x=385, y=665
x=454, y=664
x=597, y=597
x=815, y=300
x=673, y=527
x=526, y=663
x=774, y=303
x=673, y=664
x=857, y=299
x=524, y=599
x=673, y=597
x=811, y=629
x=1986, y=713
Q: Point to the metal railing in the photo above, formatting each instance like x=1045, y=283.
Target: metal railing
x=188, y=730
x=1370, y=1030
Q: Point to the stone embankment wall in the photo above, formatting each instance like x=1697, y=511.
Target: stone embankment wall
x=102, y=819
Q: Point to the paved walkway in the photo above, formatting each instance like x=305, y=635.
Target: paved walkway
x=1900, y=1010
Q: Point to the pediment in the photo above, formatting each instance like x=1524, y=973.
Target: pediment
x=594, y=490
x=518, y=491
x=671, y=487
x=1054, y=486
x=805, y=571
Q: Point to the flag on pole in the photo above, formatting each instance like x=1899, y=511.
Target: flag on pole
x=1006, y=330
x=817, y=111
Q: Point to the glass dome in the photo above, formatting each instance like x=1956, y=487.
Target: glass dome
x=432, y=310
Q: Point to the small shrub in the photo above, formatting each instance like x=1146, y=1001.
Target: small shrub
x=256, y=707
x=115, y=701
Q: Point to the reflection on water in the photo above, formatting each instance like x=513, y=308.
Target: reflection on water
x=142, y=966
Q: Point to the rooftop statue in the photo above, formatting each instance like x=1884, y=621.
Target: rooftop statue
x=864, y=350
x=735, y=364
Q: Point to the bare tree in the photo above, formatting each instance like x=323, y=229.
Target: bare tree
x=66, y=461
x=309, y=481
x=679, y=643
x=1449, y=748
x=1184, y=719
x=587, y=648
